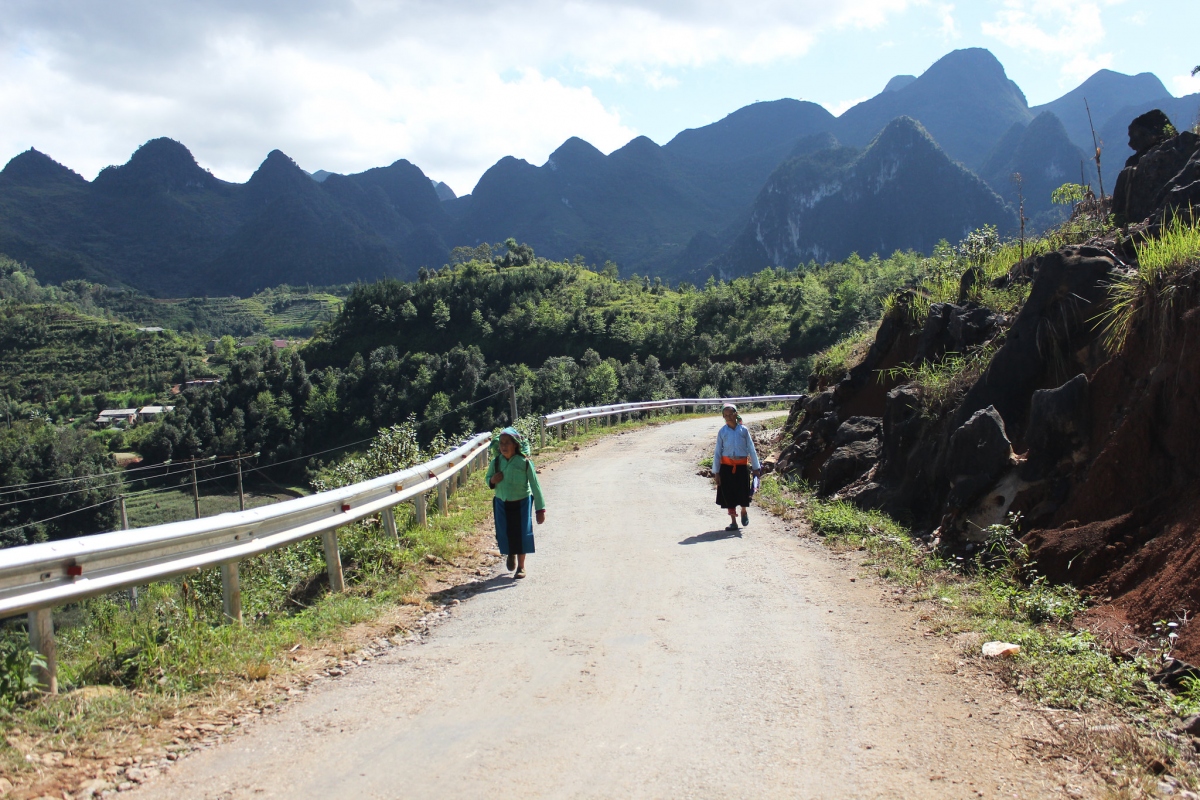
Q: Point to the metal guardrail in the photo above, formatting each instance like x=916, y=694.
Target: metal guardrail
x=612, y=413
x=36, y=578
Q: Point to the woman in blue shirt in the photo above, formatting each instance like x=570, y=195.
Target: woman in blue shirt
x=733, y=461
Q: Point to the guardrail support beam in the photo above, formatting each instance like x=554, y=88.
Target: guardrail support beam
x=333, y=561
x=443, y=500
x=41, y=638
x=421, y=509
x=231, y=592
x=389, y=523
x=542, y=433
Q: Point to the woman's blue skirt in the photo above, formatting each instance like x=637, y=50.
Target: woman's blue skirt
x=514, y=525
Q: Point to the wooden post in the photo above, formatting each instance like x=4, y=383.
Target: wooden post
x=133, y=593
x=41, y=638
x=195, y=490
x=421, y=510
x=389, y=523
x=231, y=592
x=241, y=494
x=333, y=561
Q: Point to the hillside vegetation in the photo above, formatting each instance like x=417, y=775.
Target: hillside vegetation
x=57, y=346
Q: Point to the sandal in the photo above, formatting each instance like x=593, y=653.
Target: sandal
x=745, y=517
x=520, y=573
x=512, y=562
x=732, y=527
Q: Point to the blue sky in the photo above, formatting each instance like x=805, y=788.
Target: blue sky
x=1043, y=54
x=346, y=85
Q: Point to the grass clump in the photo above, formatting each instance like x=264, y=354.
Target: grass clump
x=997, y=596
x=1162, y=286
x=836, y=360
x=942, y=383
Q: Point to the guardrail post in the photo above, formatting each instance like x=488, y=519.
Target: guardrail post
x=231, y=592
x=41, y=638
x=333, y=561
x=443, y=499
x=389, y=524
x=542, y=433
x=421, y=509
x=133, y=593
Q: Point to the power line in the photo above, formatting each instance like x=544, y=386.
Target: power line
x=19, y=487
x=59, y=516
x=163, y=489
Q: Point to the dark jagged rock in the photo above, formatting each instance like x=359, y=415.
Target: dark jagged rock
x=1056, y=322
x=979, y=453
x=1151, y=176
x=1149, y=130
x=955, y=329
x=857, y=429
x=856, y=449
x=1058, y=427
x=848, y=463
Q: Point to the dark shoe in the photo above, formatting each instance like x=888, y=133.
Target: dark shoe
x=745, y=517
x=512, y=562
x=732, y=527
x=520, y=573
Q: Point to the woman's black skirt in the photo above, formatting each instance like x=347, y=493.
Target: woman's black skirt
x=735, y=486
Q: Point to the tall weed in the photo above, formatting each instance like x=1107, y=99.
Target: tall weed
x=1164, y=284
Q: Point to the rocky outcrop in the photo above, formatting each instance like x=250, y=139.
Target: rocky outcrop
x=979, y=453
x=1163, y=174
x=1098, y=454
x=1052, y=336
x=856, y=449
x=954, y=469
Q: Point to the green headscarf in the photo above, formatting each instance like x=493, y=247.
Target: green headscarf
x=522, y=442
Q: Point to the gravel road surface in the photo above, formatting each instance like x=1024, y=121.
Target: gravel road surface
x=648, y=654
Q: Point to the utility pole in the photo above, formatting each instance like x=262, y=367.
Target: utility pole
x=512, y=403
x=195, y=490
x=133, y=592
x=241, y=494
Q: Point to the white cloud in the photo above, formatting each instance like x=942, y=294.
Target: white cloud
x=842, y=106
x=349, y=84
x=1185, y=84
x=1069, y=32
x=949, y=27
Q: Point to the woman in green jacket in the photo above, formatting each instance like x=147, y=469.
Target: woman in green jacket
x=518, y=494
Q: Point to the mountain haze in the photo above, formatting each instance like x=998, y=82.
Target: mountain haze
x=965, y=101
x=902, y=192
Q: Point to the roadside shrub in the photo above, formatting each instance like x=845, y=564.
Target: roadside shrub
x=17, y=665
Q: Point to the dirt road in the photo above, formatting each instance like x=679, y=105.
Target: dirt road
x=648, y=654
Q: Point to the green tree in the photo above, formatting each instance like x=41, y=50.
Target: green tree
x=441, y=314
x=226, y=347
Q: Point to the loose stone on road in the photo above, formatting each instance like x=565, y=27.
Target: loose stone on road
x=648, y=654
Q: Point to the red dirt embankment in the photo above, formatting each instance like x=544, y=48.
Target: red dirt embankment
x=1129, y=531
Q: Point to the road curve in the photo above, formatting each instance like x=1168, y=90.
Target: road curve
x=648, y=654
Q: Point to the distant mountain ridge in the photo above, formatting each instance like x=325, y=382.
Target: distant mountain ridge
x=814, y=206
x=162, y=224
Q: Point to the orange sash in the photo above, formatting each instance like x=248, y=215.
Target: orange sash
x=734, y=462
